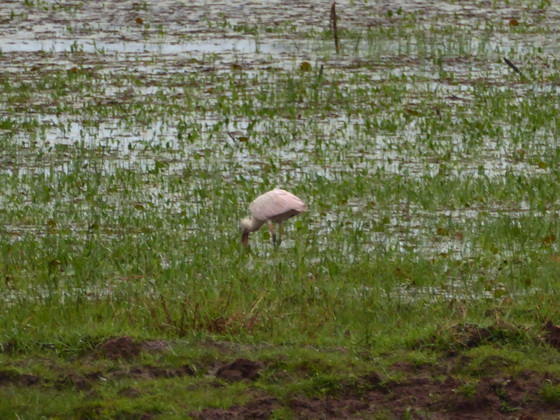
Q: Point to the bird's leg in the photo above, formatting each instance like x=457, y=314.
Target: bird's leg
x=280, y=230
x=271, y=230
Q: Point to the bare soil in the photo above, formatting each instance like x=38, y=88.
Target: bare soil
x=434, y=391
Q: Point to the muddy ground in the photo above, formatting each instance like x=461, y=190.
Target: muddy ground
x=450, y=388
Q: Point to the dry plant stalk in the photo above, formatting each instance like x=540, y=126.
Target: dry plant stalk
x=513, y=66
x=334, y=28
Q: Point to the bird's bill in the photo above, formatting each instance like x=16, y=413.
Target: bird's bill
x=245, y=239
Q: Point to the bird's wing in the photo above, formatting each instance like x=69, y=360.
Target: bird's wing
x=275, y=203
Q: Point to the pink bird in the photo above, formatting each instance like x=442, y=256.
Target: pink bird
x=274, y=206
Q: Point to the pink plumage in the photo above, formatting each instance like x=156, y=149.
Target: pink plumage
x=274, y=206
x=277, y=205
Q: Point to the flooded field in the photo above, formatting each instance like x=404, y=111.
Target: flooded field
x=417, y=131
x=133, y=136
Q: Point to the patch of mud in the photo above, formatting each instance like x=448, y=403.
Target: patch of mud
x=552, y=334
x=424, y=391
x=239, y=370
x=8, y=377
x=507, y=397
x=504, y=396
x=151, y=372
x=114, y=348
x=74, y=380
x=118, y=348
x=327, y=407
x=499, y=394
x=260, y=408
x=86, y=382
x=439, y=390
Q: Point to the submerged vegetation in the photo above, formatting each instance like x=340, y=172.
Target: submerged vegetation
x=132, y=141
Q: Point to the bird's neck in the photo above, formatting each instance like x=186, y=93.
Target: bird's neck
x=252, y=224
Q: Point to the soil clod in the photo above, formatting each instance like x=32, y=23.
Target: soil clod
x=118, y=348
x=239, y=369
x=552, y=334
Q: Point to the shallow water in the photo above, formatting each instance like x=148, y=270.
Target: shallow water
x=406, y=68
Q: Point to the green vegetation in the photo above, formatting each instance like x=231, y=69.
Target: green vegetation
x=430, y=168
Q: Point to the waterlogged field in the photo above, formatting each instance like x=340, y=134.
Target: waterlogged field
x=423, y=281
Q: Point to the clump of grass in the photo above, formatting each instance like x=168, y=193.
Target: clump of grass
x=550, y=393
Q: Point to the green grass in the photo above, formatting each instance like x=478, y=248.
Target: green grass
x=430, y=170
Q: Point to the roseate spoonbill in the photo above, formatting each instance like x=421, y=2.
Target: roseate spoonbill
x=274, y=206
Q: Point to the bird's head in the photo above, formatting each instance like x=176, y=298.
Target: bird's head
x=245, y=227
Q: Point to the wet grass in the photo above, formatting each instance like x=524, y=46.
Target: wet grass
x=430, y=169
